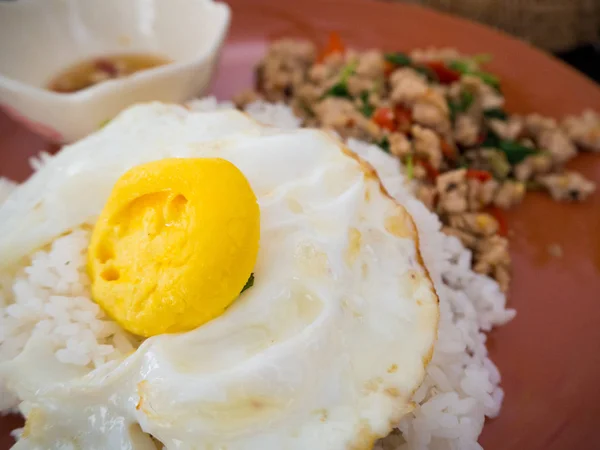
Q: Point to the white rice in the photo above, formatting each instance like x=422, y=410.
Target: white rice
x=6, y=187
x=49, y=295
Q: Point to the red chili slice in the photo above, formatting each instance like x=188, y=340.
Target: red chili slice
x=334, y=45
x=448, y=151
x=384, y=117
x=403, y=118
x=445, y=74
x=432, y=172
x=481, y=175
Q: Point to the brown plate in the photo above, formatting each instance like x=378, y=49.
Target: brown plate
x=549, y=355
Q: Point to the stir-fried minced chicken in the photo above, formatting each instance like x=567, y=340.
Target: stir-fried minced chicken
x=443, y=116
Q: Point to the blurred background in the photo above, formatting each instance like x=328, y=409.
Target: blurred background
x=568, y=28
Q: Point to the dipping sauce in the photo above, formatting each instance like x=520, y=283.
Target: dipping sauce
x=96, y=70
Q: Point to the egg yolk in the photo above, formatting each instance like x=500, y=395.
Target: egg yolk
x=174, y=245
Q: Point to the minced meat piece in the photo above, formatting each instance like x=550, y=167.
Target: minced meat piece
x=481, y=193
x=407, y=86
x=568, y=186
x=536, y=123
x=507, y=129
x=492, y=258
x=532, y=166
x=400, y=146
x=340, y=115
x=358, y=84
x=309, y=94
x=452, y=191
x=550, y=137
x=427, y=194
x=284, y=68
x=487, y=97
x=509, y=194
x=427, y=143
x=468, y=240
x=584, y=130
x=371, y=64
x=478, y=224
x=420, y=173
x=557, y=144
x=466, y=130
x=502, y=275
x=429, y=112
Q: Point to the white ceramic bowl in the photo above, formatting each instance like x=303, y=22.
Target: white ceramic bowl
x=41, y=38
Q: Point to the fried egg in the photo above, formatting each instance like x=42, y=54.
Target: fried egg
x=324, y=351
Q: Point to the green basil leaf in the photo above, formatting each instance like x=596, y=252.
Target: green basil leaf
x=464, y=68
x=488, y=78
x=491, y=140
x=466, y=100
x=347, y=71
x=338, y=90
x=366, y=109
x=459, y=66
x=429, y=74
x=495, y=113
x=384, y=144
x=398, y=59
x=454, y=109
x=515, y=152
x=249, y=283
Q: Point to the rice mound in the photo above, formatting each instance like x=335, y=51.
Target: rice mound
x=48, y=295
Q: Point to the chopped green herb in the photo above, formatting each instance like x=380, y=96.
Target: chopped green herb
x=348, y=70
x=488, y=78
x=491, y=139
x=515, y=152
x=499, y=164
x=454, y=108
x=398, y=59
x=460, y=66
x=466, y=100
x=249, y=283
x=495, y=113
x=384, y=144
x=104, y=123
x=464, y=68
x=366, y=109
x=340, y=89
x=430, y=74
x=410, y=169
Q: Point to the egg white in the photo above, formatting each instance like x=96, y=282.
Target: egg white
x=323, y=352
